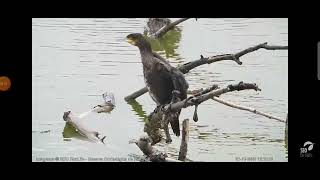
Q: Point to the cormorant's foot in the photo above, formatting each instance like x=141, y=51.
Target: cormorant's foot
x=186, y=101
x=162, y=107
x=159, y=107
x=175, y=98
x=166, y=109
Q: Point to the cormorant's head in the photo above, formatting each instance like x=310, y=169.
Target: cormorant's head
x=136, y=39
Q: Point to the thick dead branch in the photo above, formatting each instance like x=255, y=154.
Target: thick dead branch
x=167, y=28
x=204, y=97
x=184, y=140
x=136, y=94
x=247, y=109
x=185, y=68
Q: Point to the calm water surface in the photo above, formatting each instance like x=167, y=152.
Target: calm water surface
x=74, y=61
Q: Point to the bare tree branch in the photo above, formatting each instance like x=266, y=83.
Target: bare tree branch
x=185, y=68
x=234, y=57
x=167, y=28
x=204, y=97
x=184, y=140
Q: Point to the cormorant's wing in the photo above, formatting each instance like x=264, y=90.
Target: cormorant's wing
x=179, y=83
x=177, y=77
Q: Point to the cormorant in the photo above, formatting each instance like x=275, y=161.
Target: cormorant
x=165, y=83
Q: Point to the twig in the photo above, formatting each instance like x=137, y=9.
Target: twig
x=247, y=109
x=167, y=28
x=185, y=68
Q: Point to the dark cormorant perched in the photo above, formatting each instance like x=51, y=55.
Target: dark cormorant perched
x=165, y=83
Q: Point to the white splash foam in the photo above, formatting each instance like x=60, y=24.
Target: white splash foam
x=84, y=114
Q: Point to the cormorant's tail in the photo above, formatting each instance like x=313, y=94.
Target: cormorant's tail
x=174, y=122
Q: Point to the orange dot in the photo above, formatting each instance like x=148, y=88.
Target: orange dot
x=5, y=83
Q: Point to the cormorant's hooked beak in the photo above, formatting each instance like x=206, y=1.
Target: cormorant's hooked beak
x=131, y=41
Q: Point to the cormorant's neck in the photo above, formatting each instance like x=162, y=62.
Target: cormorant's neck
x=146, y=54
x=145, y=48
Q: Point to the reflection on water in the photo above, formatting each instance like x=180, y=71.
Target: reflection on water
x=70, y=132
x=138, y=109
x=76, y=60
x=151, y=126
x=167, y=44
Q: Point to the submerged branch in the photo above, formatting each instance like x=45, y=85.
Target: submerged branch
x=185, y=68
